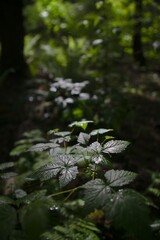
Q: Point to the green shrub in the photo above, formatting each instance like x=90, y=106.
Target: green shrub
x=81, y=181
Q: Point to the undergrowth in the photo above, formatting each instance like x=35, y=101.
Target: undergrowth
x=73, y=192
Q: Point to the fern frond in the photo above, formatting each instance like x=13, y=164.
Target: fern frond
x=77, y=229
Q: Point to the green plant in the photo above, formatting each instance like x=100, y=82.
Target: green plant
x=83, y=180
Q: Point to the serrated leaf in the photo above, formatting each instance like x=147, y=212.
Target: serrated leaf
x=127, y=210
x=95, y=147
x=43, y=146
x=100, y=131
x=67, y=174
x=62, y=166
x=115, y=146
x=83, y=138
x=117, y=178
x=96, y=192
x=6, y=165
x=46, y=172
x=83, y=124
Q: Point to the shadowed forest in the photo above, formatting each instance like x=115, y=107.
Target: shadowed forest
x=80, y=120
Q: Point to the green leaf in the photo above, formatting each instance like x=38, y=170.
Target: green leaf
x=46, y=172
x=36, y=195
x=43, y=146
x=67, y=174
x=95, y=147
x=53, y=131
x=83, y=138
x=34, y=218
x=63, y=166
x=97, y=158
x=156, y=226
x=79, y=149
x=62, y=134
x=100, y=131
x=19, y=193
x=6, y=200
x=62, y=139
x=108, y=137
x=8, y=175
x=8, y=219
x=6, y=165
x=19, y=149
x=117, y=178
x=18, y=235
x=115, y=146
x=96, y=193
x=127, y=209
x=83, y=124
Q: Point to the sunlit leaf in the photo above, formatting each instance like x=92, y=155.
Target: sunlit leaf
x=83, y=124
x=62, y=134
x=63, y=166
x=43, y=146
x=115, y=146
x=67, y=174
x=100, y=131
x=95, y=147
x=83, y=138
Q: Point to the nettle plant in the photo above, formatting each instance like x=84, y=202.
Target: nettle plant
x=84, y=187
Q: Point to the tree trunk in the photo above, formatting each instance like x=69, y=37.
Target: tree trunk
x=137, y=34
x=12, y=37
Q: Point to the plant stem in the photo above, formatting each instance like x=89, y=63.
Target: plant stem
x=66, y=191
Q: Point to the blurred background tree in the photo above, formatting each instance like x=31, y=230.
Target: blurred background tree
x=12, y=37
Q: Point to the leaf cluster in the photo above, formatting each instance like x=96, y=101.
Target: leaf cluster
x=84, y=182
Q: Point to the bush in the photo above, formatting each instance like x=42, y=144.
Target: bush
x=77, y=192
